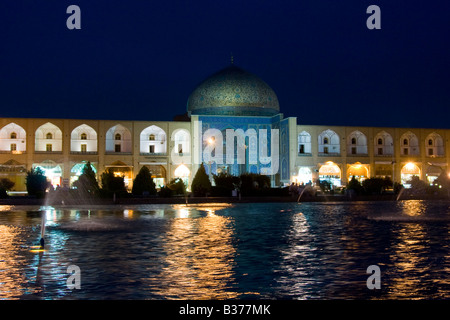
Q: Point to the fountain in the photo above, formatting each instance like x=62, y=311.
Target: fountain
x=303, y=190
x=400, y=193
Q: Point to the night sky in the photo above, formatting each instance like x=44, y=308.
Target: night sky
x=140, y=59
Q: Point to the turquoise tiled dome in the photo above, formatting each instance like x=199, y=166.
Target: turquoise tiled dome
x=233, y=91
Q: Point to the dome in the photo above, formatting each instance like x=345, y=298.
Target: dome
x=233, y=91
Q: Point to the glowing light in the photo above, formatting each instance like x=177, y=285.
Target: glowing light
x=182, y=171
x=211, y=140
x=128, y=213
x=410, y=166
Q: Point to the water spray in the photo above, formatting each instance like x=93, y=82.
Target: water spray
x=42, y=241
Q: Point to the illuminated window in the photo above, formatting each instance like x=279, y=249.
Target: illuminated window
x=118, y=136
x=13, y=135
x=83, y=136
x=13, y=147
x=151, y=137
x=83, y=147
x=48, y=147
x=49, y=136
x=117, y=148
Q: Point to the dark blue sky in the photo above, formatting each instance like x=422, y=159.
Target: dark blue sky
x=140, y=59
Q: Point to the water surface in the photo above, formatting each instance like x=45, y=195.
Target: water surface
x=228, y=251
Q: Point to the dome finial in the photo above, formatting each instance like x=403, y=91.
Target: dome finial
x=231, y=58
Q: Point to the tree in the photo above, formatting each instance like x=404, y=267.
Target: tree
x=112, y=184
x=5, y=185
x=201, y=185
x=87, y=181
x=143, y=183
x=36, y=182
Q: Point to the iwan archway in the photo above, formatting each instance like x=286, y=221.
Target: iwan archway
x=408, y=171
x=357, y=170
x=330, y=172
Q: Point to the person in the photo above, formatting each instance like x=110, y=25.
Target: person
x=42, y=243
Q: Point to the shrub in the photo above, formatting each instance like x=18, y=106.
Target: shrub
x=376, y=185
x=253, y=184
x=225, y=183
x=174, y=187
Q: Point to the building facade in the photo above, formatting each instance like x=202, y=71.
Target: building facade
x=230, y=101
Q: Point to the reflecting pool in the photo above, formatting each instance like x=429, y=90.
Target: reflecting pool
x=228, y=251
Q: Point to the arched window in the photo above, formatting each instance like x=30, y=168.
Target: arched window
x=153, y=140
x=435, y=145
x=410, y=144
x=181, y=138
x=304, y=143
x=83, y=138
x=44, y=133
x=384, y=144
x=118, y=139
x=329, y=142
x=357, y=143
x=13, y=133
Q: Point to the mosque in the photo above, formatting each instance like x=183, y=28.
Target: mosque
x=230, y=99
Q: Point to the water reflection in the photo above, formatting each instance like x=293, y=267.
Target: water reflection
x=221, y=251
x=409, y=260
x=413, y=208
x=199, y=257
x=11, y=262
x=296, y=275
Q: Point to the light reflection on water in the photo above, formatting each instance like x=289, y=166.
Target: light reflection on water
x=223, y=251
